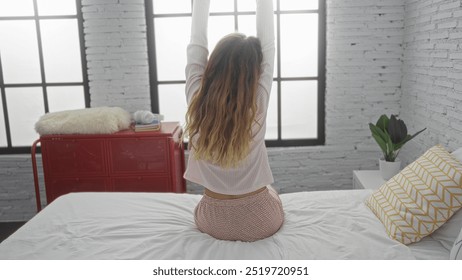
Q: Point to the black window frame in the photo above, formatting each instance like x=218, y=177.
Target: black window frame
x=321, y=11
x=10, y=149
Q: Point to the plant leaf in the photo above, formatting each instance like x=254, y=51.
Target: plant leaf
x=417, y=133
x=397, y=130
x=382, y=122
x=408, y=138
x=382, y=138
x=390, y=155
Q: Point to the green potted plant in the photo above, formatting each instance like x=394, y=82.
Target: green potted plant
x=391, y=135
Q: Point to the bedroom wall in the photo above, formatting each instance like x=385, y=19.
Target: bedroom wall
x=117, y=55
x=364, y=60
x=432, y=75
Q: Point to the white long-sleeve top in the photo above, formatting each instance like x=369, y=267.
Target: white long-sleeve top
x=254, y=171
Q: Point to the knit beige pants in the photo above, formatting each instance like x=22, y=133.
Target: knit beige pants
x=245, y=219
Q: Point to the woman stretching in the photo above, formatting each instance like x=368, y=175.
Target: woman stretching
x=227, y=97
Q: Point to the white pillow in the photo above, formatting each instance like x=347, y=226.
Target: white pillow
x=448, y=232
x=456, y=251
x=457, y=154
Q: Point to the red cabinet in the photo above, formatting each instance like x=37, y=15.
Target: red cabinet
x=127, y=161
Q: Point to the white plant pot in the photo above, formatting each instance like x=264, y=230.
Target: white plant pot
x=389, y=169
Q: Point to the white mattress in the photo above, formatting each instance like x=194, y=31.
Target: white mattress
x=318, y=225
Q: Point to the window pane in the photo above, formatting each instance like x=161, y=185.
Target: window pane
x=272, y=115
x=299, y=50
x=250, y=6
x=299, y=109
x=299, y=5
x=3, y=142
x=171, y=6
x=172, y=38
x=246, y=6
x=11, y=8
x=61, y=50
x=248, y=25
x=172, y=102
x=19, y=51
x=219, y=26
x=65, y=98
x=23, y=115
x=56, y=7
x=217, y=6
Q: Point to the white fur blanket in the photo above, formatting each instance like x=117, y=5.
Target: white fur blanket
x=99, y=120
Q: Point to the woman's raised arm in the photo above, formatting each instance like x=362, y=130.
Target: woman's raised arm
x=199, y=24
x=197, y=50
x=265, y=23
x=265, y=32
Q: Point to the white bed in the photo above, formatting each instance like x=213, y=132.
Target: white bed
x=319, y=225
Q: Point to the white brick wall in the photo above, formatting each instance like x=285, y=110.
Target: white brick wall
x=365, y=73
x=432, y=75
x=116, y=47
x=17, y=196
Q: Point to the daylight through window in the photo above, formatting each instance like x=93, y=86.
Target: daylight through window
x=41, y=66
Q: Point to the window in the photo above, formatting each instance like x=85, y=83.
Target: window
x=42, y=66
x=296, y=111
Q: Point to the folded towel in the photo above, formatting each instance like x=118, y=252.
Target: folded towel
x=144, y=117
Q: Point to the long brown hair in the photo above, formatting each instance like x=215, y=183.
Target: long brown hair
x=221, y=114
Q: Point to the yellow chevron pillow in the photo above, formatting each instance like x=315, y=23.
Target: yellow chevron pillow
x=421, y=198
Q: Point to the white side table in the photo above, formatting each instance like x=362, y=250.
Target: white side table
x=367, y=179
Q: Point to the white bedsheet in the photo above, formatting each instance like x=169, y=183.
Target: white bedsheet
x=318, y=225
